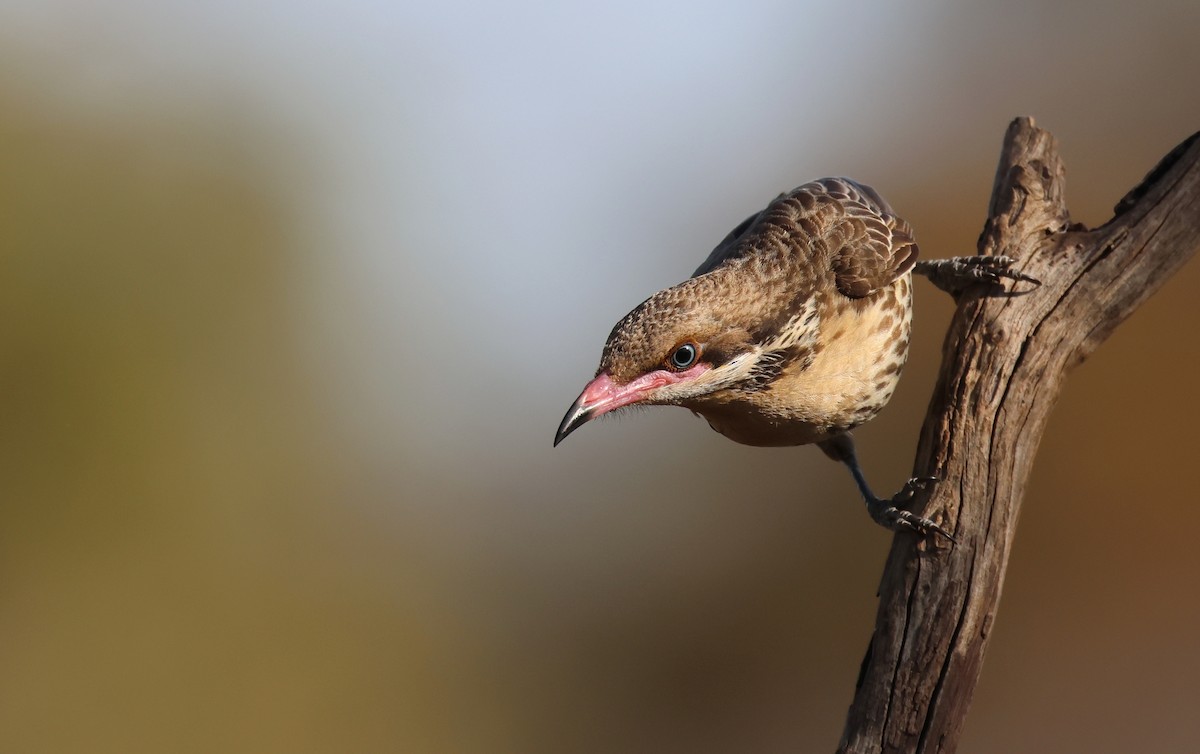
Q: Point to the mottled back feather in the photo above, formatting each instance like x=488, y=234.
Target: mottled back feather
x=843, y=225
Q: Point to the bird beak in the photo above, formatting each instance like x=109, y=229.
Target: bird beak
x=599, y=397
x=603, y=395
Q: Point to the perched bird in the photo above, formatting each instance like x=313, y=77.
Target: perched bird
x=793, y=331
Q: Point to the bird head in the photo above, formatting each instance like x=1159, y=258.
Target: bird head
x=683, y=346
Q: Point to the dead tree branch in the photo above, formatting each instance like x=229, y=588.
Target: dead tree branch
x=1003, y=366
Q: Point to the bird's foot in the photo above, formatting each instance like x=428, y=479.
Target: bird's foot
x=956, y=275
x=887, y=513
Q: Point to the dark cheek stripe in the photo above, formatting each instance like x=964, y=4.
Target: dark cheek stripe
x=770, y=366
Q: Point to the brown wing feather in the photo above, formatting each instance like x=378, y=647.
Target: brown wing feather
x=872, y=246
x=868, y=247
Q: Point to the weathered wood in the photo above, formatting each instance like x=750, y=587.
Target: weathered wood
x=1003, y=366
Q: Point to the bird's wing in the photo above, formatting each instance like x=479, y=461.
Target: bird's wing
x=871, y=246
x=868, y=246
x=728, y=248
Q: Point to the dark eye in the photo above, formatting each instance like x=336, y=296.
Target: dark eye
x=683, y=356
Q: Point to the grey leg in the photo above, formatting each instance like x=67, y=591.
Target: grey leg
x=885, y=512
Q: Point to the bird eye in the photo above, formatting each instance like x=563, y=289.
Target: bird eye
x=683, y=356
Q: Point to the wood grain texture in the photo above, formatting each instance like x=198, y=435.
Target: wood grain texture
x=1004, y=361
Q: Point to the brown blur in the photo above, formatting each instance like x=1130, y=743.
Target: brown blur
x=210, y=541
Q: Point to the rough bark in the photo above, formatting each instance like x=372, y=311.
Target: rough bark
x=1003, y=366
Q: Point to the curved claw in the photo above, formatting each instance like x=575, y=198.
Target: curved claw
x=1014, y=275
x=887, y=513
x=896, y=519
x=996, y=268
x=911, y=487
x=921, y=482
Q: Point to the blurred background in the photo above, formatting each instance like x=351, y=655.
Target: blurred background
x=295, y=295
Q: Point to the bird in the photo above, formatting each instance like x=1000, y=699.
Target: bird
x=793, y=331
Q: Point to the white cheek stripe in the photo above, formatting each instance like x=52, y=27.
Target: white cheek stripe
x=801, y=330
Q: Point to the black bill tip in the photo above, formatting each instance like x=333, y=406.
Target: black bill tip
x=577, y=416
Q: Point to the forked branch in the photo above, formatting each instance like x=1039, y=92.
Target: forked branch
x=1003, y=366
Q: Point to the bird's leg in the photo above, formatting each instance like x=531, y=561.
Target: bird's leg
x=956, y=275
x=885, y=512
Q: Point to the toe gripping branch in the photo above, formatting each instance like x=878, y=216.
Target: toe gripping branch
x=960, y=273
x=887, y=512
